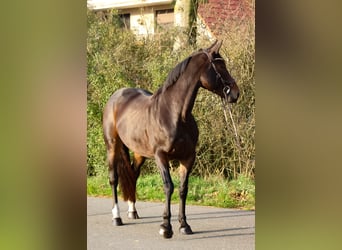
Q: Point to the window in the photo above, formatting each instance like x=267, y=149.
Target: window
x=165, y=18
x=124, y=21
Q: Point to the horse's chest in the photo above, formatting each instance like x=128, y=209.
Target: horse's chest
x=184, y=141
x=182, y=147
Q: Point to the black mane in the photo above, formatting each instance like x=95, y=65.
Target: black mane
x=174, y=75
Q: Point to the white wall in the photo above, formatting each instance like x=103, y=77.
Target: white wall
x=142, y=12
x=142, y=21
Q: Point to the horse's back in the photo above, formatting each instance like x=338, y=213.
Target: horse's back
x=126, y=95
x=123, y=97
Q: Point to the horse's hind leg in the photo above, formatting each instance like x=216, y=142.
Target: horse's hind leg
x=138, y=161
x=112, y=157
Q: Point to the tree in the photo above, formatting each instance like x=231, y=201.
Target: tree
x=185, y=22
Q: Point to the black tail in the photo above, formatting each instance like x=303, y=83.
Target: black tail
x=127, y=177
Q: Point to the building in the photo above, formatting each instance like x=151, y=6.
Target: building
x=145, y=17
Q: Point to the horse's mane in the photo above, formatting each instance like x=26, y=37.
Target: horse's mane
x=174, y=74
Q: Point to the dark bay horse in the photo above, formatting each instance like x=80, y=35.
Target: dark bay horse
x=161, y=126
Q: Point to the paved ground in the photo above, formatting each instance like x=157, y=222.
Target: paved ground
x=214, y=228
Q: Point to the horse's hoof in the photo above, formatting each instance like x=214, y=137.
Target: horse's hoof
x=185, y=230
x=117, y=222
x=133, y=215
x=166, y=233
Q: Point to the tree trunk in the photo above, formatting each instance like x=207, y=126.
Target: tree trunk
x=185, y=22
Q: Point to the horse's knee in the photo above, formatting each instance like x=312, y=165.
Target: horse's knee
x=168, y=188
x=183, y=191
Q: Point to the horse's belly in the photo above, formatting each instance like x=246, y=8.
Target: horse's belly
x=136, y=141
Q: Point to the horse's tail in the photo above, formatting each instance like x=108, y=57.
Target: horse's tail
x=127, y=176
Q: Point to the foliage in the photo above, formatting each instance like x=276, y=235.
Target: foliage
x=210, y=191
x=117, y=58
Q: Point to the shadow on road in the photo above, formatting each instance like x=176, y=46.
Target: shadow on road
x=216, y=235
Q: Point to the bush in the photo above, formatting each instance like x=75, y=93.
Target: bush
x=117, y=58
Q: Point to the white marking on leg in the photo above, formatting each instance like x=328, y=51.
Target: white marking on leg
x=116, y=211
x=131, y=206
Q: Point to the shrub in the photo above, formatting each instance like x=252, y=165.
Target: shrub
x=116, y=58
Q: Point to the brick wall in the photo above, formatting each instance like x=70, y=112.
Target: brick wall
x=218, y=14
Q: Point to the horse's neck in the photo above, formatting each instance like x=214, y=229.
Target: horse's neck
x=189, y=100
x=182, y=95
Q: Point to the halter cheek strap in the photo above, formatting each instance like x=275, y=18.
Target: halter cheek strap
x=226, y=89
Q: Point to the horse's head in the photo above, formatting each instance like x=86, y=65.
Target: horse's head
x=216, y=77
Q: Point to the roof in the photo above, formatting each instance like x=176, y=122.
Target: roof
x=123, y=4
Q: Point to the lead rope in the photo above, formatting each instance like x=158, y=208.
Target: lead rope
x=224, y=107
x=225, y=104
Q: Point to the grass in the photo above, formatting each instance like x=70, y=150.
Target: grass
x=211, y=191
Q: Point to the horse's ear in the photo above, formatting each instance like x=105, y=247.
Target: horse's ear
x=216, y=47
x=211, y=46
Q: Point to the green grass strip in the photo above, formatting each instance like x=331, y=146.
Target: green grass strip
x=210, y=191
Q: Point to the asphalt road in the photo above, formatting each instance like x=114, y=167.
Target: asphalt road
x=214, y=228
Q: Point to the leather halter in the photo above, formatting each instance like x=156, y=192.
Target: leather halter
x=226, y=88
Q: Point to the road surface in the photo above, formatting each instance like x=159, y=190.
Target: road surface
x=214, y=228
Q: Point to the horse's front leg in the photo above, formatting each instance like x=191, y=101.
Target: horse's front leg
x=184, y=170
x=163, y=165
